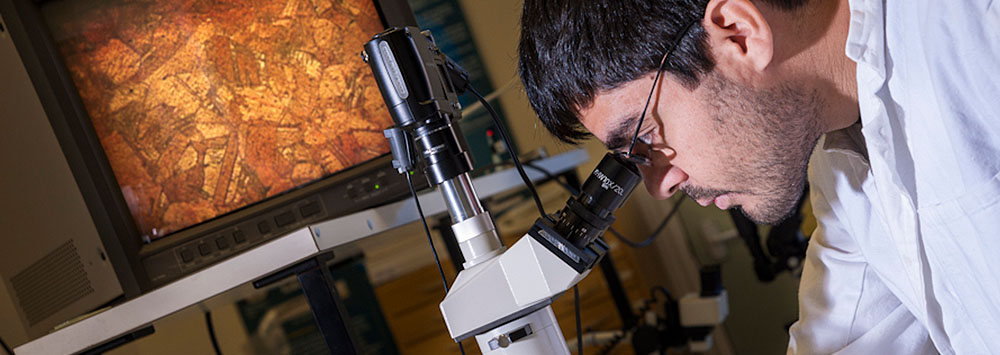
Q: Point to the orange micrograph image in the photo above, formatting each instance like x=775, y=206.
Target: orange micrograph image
x=204, y=107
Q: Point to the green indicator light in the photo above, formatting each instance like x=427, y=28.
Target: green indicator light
x=376, y=186
x=411, y=173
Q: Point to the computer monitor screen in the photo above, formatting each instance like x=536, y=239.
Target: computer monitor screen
x=206, y=107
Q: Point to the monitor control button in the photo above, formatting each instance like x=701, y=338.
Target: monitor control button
x=204, y=249
x=222, y=242
x=239, y=237
x=187, y=255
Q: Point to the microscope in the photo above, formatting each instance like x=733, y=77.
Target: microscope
x=503, y=296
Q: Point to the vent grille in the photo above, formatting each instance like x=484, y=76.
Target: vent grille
x=51, y=283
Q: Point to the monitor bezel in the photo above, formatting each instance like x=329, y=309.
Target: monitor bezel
x=84, y=154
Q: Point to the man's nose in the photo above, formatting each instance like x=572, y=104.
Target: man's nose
x=663, y=182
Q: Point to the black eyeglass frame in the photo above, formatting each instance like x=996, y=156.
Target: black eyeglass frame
x=642, y=159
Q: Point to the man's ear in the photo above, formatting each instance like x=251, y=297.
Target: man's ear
x=739, y=36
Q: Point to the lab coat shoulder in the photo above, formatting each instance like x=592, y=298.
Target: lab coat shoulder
x=845, y=307
x=943, y=146
x=922, y=208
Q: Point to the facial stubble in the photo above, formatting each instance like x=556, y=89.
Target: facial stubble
x=770, y=134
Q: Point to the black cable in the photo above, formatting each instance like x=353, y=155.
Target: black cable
x=663, y=290
x=617, y=339
x=430, y=240
x=646, y=306
x=659, y=229
x=513, y=153
x=579, y=325
x=6, y=348
x=211, y=332
x=548, y=175
x=427, y=230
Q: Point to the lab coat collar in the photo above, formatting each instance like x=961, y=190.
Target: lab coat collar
x=848, y=141
x=866, y=46
x=866, y=38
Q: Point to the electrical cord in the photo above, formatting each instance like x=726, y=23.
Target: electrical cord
x=579, y=325
x=6, y=348
x=430, y=240
x=662, y=290
x=211, y=332
x=513, y=153
x=427, y=230
x=606, y=349
x=646, y=306
x=548, y=175
x=659, y=229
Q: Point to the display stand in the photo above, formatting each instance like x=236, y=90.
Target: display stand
x=324, y=302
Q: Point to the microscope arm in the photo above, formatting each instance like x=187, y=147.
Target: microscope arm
x=520, y=282
x=504, y=301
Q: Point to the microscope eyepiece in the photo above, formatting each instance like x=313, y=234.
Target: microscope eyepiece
x=609, y=185
x=590, y=213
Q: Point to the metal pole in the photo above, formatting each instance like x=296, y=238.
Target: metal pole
x=460, y=197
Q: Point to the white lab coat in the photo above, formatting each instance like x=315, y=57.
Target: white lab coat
x=906, y=258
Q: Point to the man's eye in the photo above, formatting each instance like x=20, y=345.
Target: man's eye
x=646, y=139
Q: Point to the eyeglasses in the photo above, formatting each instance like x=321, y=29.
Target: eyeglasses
x=644, y=159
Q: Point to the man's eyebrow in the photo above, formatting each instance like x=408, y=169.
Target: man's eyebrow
x=621, y=137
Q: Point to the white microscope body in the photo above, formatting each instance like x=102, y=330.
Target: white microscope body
x=503, y=296
x=504, y=302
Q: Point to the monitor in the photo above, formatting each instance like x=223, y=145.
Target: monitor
x=204, y=108
x=196, y=130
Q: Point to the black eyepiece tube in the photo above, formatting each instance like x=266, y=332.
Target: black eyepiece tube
x=587, y=215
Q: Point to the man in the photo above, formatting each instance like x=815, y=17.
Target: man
x=895, y=103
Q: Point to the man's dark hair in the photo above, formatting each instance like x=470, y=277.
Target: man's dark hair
x=571, y=50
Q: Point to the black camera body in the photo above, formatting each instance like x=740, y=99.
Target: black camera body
x=420, y=85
